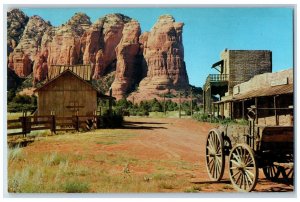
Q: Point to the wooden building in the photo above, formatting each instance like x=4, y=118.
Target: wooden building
x=272, y=94
x=68, y=94
x=235, y=67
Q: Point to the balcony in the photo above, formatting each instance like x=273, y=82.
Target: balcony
x=216, y=80
x=217, y=77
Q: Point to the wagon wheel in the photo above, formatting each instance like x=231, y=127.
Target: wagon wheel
x=215, y=156
x=271, y=172
x=243, y=170
x=288, y=174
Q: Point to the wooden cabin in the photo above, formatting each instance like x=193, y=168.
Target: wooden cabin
x=67, y=94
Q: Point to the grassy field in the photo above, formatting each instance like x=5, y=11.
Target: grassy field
x=83, y=162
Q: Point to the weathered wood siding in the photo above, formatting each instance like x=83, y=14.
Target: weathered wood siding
x=67, y=90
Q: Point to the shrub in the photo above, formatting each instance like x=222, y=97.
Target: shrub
x=205, y=118
x=76, y=187
x=108, y=120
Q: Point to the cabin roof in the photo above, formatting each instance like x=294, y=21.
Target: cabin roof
x=68, y=71
x=83, y=71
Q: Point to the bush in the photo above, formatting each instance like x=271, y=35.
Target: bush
x=22, y=103
x=201, y=117
x=205, y=118
x=76, y=187
x=114, y=120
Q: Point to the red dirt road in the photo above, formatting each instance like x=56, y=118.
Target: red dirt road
x=180, y=139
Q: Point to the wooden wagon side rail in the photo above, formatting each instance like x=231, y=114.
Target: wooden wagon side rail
x=26, y=124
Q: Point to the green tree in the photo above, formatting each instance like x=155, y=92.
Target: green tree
x=156, y=106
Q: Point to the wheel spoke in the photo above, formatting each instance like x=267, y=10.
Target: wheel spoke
x=250, y=162
x=236, y=157
x=234, y=162
x=210, y=161
x=241, y=181
x=210, y=150
x=210, y=145
x=237, y=172
x=249, y=178
x=249, y=173
x=248, y=159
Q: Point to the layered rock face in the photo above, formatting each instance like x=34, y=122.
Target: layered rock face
x=23, y=55
x=164, y=59
x=40, y=68
x=113, y=45
x=16, y=22
x=127, y=70
x=100, y=41
x=64, y=43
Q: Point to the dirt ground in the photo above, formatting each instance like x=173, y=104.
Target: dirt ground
x=182, y=139
x=152, y=149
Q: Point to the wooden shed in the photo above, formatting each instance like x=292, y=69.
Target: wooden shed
x=67, y=94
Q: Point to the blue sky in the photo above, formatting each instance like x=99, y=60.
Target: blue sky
x=207, y=31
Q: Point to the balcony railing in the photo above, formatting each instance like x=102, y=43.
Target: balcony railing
x=217, y=77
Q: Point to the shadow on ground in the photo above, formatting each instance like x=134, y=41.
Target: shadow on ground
x=142, y=125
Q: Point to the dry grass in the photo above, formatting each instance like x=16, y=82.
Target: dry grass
x=79, y=162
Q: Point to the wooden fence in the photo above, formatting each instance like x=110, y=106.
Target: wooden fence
x=26, y=124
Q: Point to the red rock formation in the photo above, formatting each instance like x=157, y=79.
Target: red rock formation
x=21, y=63
x=126, y=51
x=16, y=22
x=112, y=45
x=40, y=68
x=99, y=65
x=28, y=46
x=90, y=42
x=64, y=43
x=164, y=58
x=105, y=34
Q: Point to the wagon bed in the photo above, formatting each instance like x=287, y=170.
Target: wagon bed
x=250, y=148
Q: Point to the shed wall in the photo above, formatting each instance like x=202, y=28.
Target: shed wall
x=63, y=93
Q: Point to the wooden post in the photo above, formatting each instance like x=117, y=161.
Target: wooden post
x=165, y=104
x=53, y=124
x=77, y=122
x=179, y=104
x=209, y=101
x=222, y=110
x=243, y=109
x=231, y=114
x=213, y=109
x=256, y=111
x=275, y=111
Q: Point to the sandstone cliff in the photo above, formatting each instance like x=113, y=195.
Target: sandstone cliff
x=63, y=44
x=127, y=72
x=16, y=22
x=100, y=41
x=20, y=60
x=153, y=61
x=164, y=59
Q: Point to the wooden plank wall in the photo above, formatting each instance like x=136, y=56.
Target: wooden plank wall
x=65, y=91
